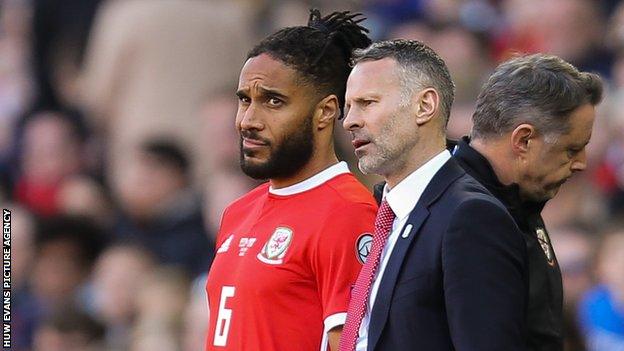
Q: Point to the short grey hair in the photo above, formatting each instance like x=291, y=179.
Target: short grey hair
x=541, y=90
x=419, y=67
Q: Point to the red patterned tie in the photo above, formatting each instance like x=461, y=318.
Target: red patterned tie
x=361, y=291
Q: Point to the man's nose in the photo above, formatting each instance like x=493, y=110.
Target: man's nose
x=580, y=162
x=250, y=118
x=352, y=120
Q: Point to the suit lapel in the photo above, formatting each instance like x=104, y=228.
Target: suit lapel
x=381, y=307
x=379, y=315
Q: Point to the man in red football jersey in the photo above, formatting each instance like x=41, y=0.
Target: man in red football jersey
x=290, y=250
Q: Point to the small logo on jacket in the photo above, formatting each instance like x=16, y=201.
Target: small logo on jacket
x=275, y=248
x=544, y=242
x=363, y=246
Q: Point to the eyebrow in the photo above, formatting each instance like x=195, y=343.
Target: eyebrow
x=271, y=92
x=263, y=91
x=368, y=96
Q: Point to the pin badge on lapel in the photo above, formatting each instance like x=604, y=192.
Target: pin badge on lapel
x=407, y=231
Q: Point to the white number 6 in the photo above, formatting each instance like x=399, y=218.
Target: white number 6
x=223, y=318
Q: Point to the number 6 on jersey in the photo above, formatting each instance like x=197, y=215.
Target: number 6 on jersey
x=223, y=318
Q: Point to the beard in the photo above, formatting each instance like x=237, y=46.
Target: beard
x=389, y=146
x=285, y=159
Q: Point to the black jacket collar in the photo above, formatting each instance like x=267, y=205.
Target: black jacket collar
x=480, y=168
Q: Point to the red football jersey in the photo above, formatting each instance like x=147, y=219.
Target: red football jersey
x=286, y=262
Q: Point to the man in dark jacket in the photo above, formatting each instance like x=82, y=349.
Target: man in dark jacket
x=532, y=122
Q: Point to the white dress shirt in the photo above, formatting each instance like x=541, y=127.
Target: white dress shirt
x=402, y=200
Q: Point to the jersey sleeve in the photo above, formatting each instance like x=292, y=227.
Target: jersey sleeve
x=219, y=236
x=335, y=261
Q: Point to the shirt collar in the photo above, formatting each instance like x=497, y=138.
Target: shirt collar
x=404, y=196
x=312, y=182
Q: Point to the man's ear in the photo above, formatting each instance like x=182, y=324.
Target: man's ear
x=327, y=111
x=521, y=138
x=427, y=103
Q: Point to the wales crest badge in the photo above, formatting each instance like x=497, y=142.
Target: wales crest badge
x=275, y=248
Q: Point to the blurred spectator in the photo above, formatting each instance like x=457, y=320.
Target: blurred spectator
x=66, y=249
x=56, y=258
x=220, y=151
x=60, y=29
x=163, y=296
x=602, y=308
x=609, y=175
x=574, y=249
x=149, y=64
x=220, y=142
x=22, y=245
x=162, y=300
x=571, y=29
x=196, y=317
x=154, y=338
x=5, y=184
x=416, y=30
x=161, y=210
x=69, y=330
x=15, y=83
x=51, y=150
x=578, y=202
x=461, y=49
x=277, y=14
x=83, y=196
x=22, y=258
x=117, y=278
x=384, y=14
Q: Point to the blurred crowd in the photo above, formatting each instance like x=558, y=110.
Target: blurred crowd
x=118, y=152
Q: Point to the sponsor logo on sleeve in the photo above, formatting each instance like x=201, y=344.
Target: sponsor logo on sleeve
x=363, y=246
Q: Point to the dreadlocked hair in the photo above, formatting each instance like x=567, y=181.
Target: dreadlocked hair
x=321, y=51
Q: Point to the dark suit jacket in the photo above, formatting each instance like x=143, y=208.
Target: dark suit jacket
x=456, y=279
x=544, y=317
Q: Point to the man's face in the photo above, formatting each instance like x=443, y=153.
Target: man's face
x=550, y=163
x=51, y=151
x=148, y=184
x=274, y=119
x=58, y=270
x=382, y=128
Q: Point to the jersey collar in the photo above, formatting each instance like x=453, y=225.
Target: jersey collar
x=312, y=182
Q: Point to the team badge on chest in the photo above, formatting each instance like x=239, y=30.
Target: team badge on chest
x=544, y=242
x=275, y=248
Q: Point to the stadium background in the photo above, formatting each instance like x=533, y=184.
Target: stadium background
x=118, y=152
